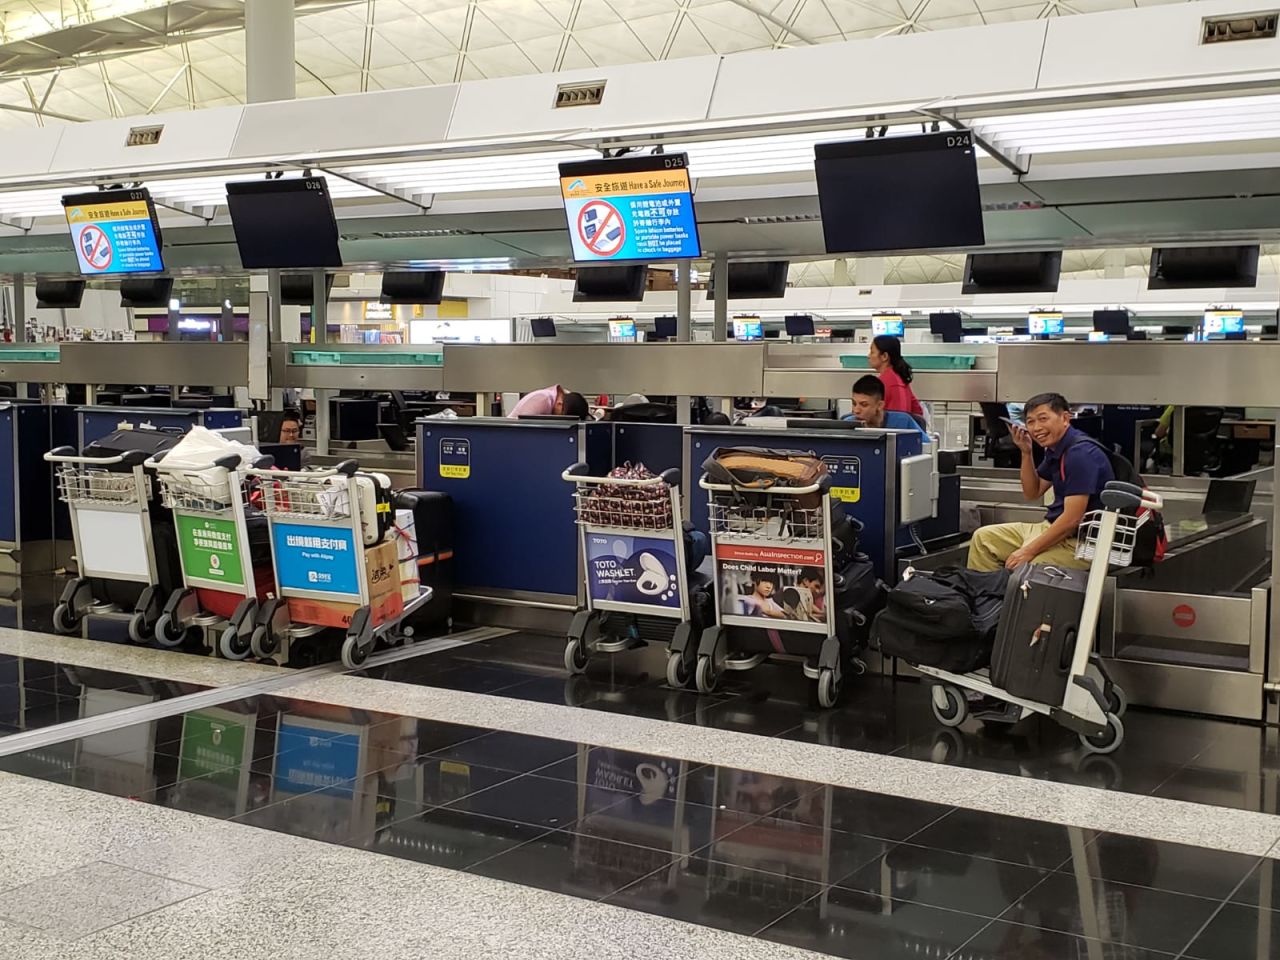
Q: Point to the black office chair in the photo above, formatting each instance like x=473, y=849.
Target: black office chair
x=1201, y=445
x=999, y=448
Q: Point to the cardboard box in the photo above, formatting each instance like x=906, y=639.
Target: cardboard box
x=329, y=614
x=382, y=569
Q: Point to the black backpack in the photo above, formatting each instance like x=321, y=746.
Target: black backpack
x=1152, y=541
x=945, y=619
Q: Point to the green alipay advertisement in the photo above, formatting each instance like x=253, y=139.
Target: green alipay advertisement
x=210, y=549
x=212, y=747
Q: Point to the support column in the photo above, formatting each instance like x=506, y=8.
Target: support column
x=1271, y=679
x=684, y=325
x=269, y=50
x=320, y=326
x=868, y=271
x=20, y=320
x=1113, y=264
x=840, y=275
x=720, y=321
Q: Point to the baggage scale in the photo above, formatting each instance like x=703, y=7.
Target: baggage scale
x=1092, y=705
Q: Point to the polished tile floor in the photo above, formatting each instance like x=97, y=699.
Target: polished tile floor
x=830, y=869
x=1165, y=755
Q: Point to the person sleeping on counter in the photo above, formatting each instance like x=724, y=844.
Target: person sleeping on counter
x=1075, y=468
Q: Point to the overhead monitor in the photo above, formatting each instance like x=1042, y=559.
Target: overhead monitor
x=1222, y=321
x=748, y=329
x=284, y=223
x=900, y=193
x=146, y=292
x=799, y=325
x=631, y=208
x=1035, y=272
x=622, y=330
x=1114, y=322
x=542, y=327
x=1189, y=268
x=58, y=294
x=1041, y=323
x=298, y=289
x=948, y=326
x=888, y=324
x=753, y=280
x=114, y=232
x=664, y=327
x=610, y=284
x=413, y=287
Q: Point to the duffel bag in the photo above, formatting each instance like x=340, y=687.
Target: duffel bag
x=760, y=469
x=985, y=592
x=142, y=443
x=929, y=623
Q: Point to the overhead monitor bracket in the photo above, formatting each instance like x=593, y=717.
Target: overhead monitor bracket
x=980, y=140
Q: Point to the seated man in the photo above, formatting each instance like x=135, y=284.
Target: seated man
x=868, y=407
x=1074, y=466
x=551, y=401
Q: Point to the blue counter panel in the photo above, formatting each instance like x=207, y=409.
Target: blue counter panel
x=514, y=512
x=97, y=422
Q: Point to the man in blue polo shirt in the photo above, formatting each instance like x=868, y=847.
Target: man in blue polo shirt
x=868, y=407
x=1074, y=467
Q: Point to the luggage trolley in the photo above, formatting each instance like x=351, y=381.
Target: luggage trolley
x=111, y=526
x=317, y=552
x=1092, y=705
x=772, y=536
x=219, y=587
x=632, y=540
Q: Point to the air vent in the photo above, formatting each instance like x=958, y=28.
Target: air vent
x=144, y=136
x=408, y=234
x=782, y=218
x=1258, y=26
x=579, y=94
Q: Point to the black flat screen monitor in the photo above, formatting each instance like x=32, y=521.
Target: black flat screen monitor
x=799, y=325
x=754, y=280
x=298, y=289
x=146, y=292
x=1191, y=268
x=114, y=232
x=542, y=327
x=1012, y=272
x=58, y=294
x=413, y=287
x=1112, y=322
x=948, y=326
x=610, y=284
x=664, y=327
x=900, y=193
x=284, y=223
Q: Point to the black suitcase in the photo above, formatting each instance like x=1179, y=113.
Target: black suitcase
x=126, y=442
x=859, y=595
x=1037, y=633
x=433, y=524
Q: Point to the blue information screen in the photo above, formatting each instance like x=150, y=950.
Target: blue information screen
x=633, y=208
x=748, y=329
x=1223, y=322
x=887, y=326
x=1042, y=324
x=114, y=232
x=324, y=559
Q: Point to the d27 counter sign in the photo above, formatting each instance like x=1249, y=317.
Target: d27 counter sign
x=628, y=569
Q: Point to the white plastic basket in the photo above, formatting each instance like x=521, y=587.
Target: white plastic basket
x=1126, y=537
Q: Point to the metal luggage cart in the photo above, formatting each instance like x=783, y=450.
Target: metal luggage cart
x=112, y=530
x=771, y=537
x=317, y=552
x=210, y=517
x=637, y=587
x=1092, y=705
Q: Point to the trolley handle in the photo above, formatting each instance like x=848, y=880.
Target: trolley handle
x=69, y=455
x=578, y=474
x=1118, y=495
x=706, y=484
x=271, y=474
x=228, y=462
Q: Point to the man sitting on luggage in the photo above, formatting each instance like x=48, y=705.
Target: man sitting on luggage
x=868, y=407
x=1074, y=467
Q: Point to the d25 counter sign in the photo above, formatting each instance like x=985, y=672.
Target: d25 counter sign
x=210, y=549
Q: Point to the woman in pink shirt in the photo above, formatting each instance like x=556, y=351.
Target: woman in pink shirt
x=885, y=357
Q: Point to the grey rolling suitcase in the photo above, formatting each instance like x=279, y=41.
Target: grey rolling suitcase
x=1036, y=638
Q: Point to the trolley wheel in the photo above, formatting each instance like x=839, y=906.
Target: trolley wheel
x=353, y=654
x=677, y=671
x=167, y=633
x=829, y=685
x=1117, y=701
x=575, y=656
x=1107, y=742
x=954, y=708
x=63, y=619
x=231, y=646
x=706, y=677
x=138, y=628
x=263, y=642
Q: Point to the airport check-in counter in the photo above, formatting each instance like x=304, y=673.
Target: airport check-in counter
x=97, y=422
